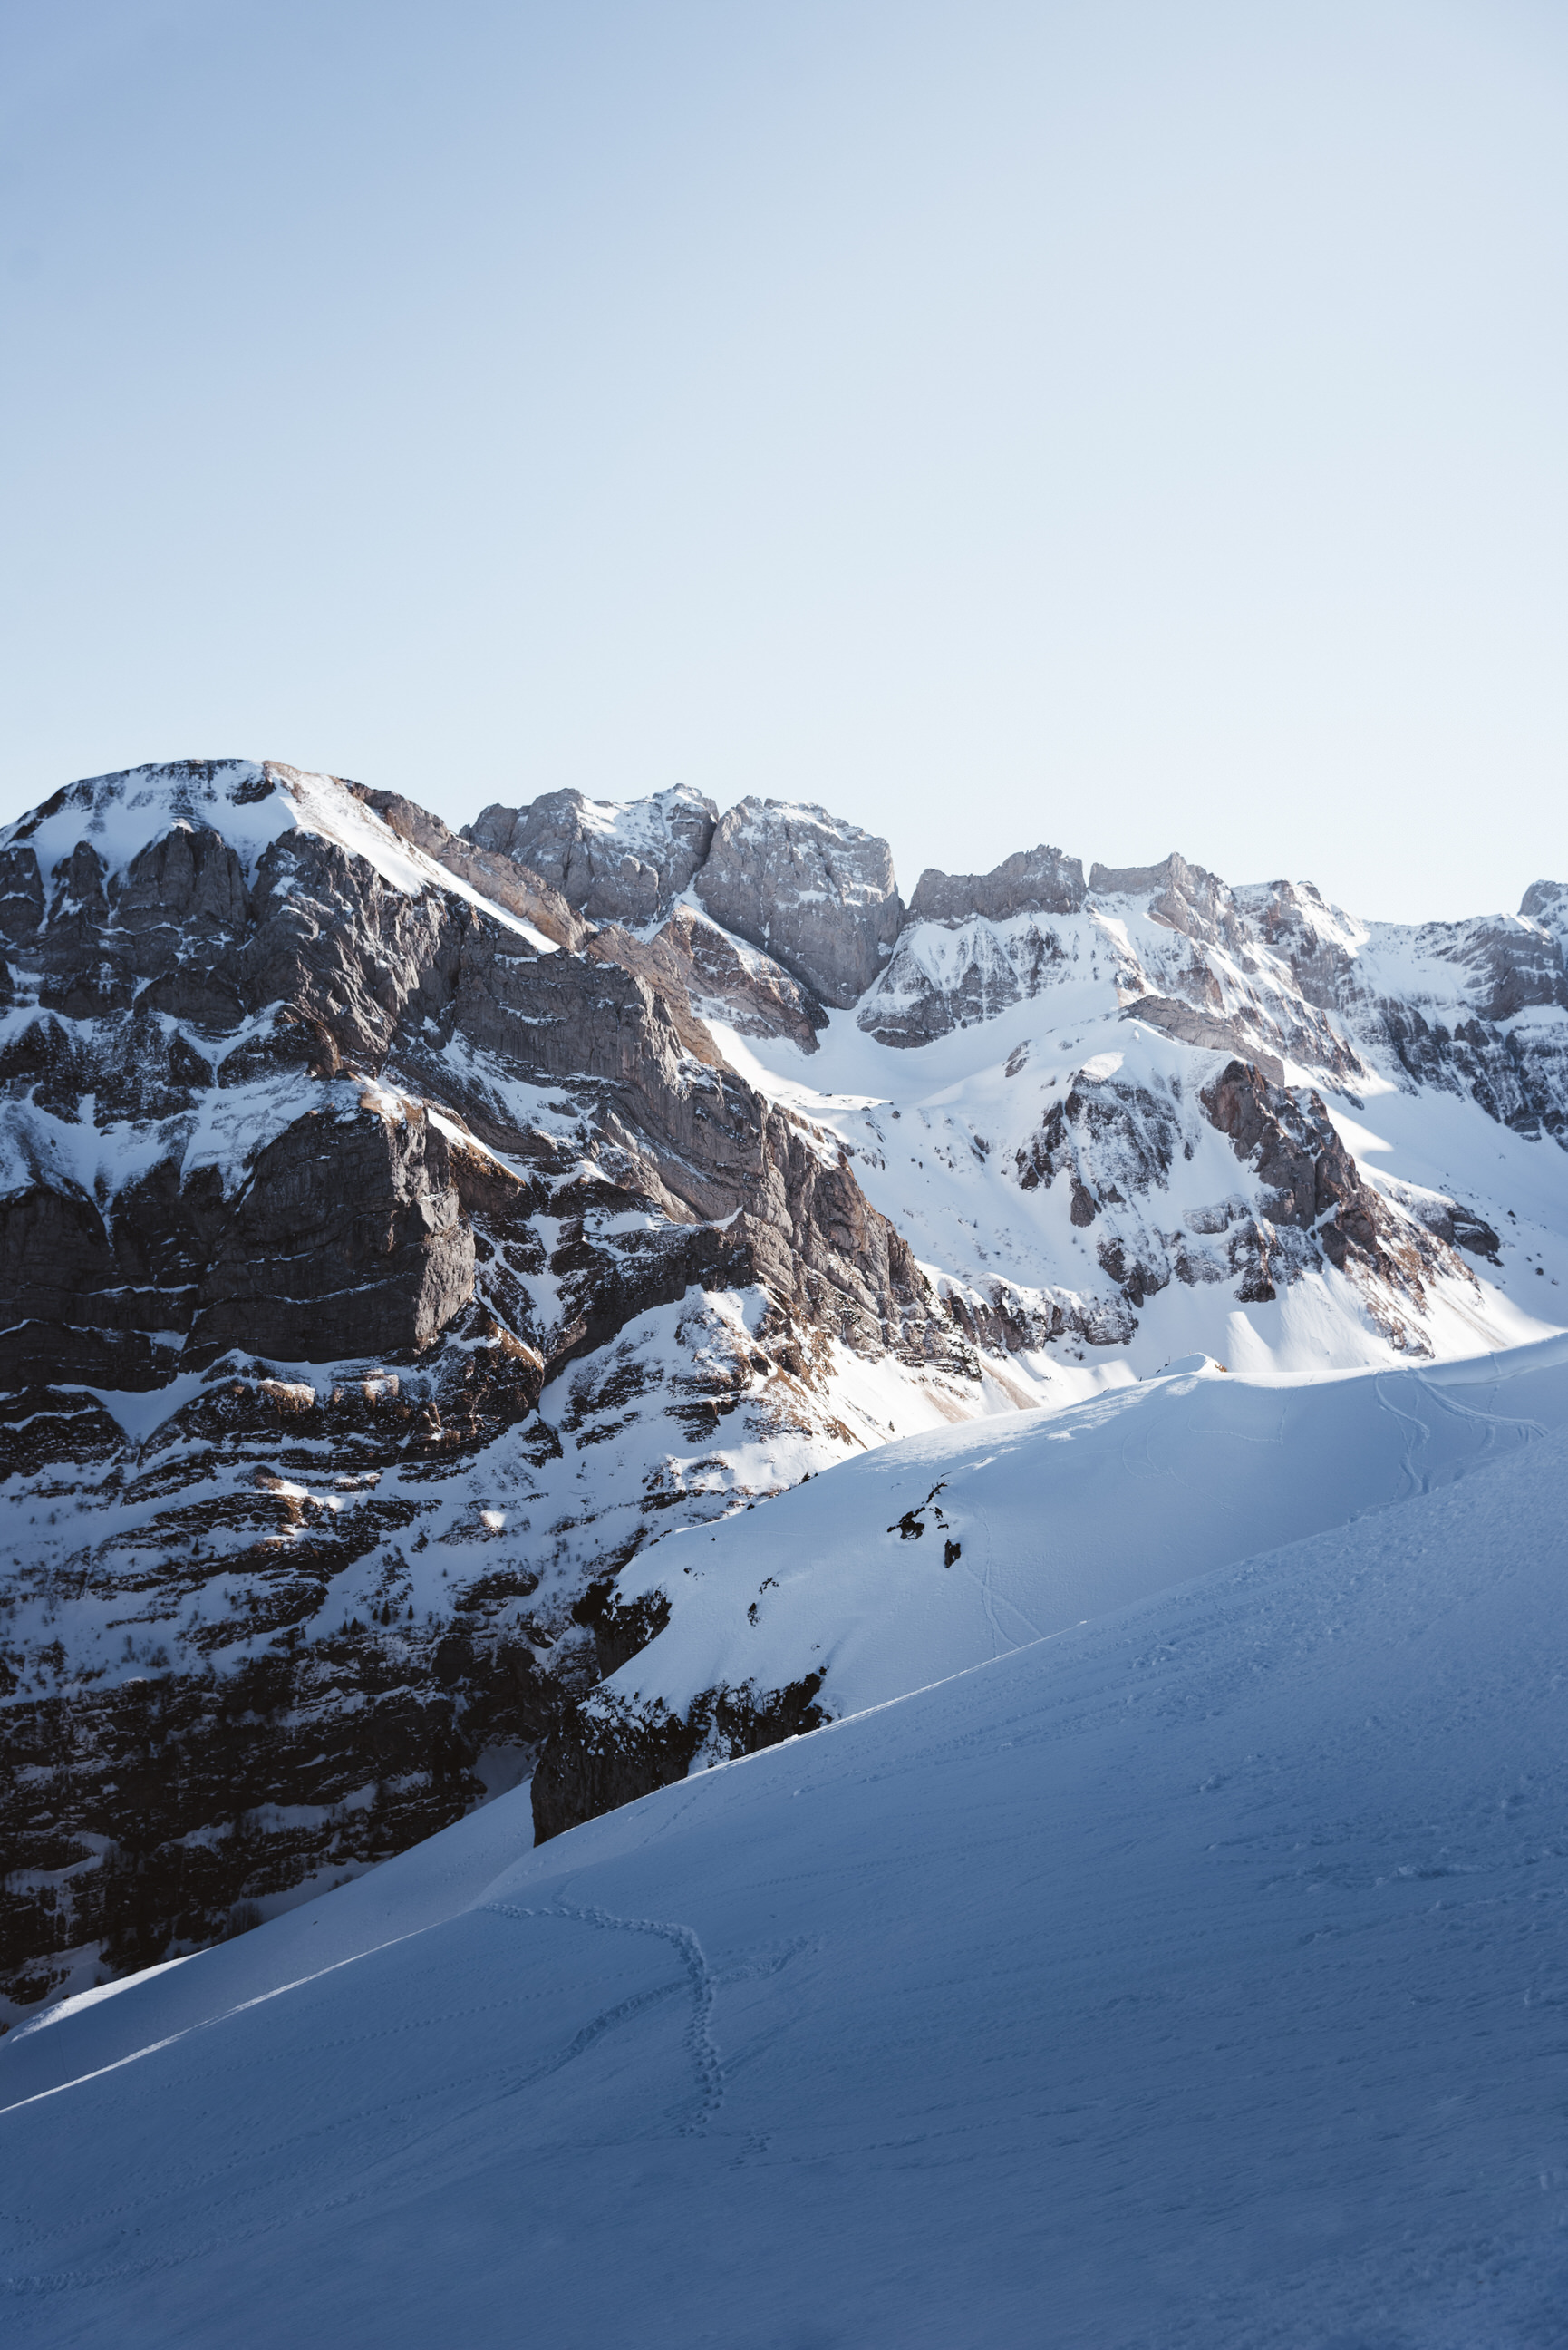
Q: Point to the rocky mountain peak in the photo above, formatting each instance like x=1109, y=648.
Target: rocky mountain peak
x=816, y=893
x=613, y=861
x=400, y=1230
x=1546, y=902
x=1035, y=881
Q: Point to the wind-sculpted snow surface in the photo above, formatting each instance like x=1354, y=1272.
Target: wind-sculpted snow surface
x=1195, y=1976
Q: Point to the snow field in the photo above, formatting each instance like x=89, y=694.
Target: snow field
x=1031, y=1524
x=1195, y=1977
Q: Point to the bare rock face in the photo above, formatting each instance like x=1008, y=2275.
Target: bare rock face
x=1315, y=1200
x=1188, y=1025
x=938, y=981
x=493, y=874
x=1546, y=902
x=1037, y=881
x=1114, y=1142
x=600, y=1756
x=614, y=863
x=323, y=1113
x=1438, y=1003
x=1183, y=896
x=360, y=1207
x=1007, y=950
x=377, y=1278
x=738, y=983
x=817, y=894
x=703, y=975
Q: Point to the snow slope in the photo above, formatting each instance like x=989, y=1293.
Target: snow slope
x=943, y=1550
x=1196, y=1977
x=934, y=1136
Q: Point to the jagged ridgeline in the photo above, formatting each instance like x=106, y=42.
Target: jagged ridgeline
x=400, y=1230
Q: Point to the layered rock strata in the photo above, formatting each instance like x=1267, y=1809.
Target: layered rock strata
x=277, y=1099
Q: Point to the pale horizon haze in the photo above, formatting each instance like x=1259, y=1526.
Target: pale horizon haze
x=1130, y=426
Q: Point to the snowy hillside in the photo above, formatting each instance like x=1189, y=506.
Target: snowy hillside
x=940, y=1551
x=415, y=1243
x=1195, y=1975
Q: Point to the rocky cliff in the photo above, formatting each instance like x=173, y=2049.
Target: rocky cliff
x=325, y=1157
x=402, y=1228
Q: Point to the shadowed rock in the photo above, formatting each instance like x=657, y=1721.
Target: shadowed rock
x=495, y=874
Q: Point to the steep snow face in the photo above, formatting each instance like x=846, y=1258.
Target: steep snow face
x=1275, y=973
x=120, y=814
x=1066, y=1187
x=1194, y=1975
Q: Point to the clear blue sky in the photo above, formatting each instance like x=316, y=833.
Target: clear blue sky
x=1134, y=423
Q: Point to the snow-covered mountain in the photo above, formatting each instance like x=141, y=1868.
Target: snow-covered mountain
x=415, y=1243
x=1193, y=1975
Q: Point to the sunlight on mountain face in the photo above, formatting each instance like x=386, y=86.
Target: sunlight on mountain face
x=505, y=1328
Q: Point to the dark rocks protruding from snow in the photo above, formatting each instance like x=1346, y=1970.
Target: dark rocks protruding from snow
x=616, y=863
x=1035, y=881
x=600, y=1756
x=326, y=1109
x=1316, y=1198
x=815, y=893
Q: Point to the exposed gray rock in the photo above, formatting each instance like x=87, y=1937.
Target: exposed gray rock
x=616, y=863
x=738, y=983
x=341, y=1122
x=1546, y=902
x=348, y=1238
x=21, y=892
x=1457, y=1026
x=493, y=873
x=1317, y=1204
x=1035, y=881
x=921, y=995
x=815, y=893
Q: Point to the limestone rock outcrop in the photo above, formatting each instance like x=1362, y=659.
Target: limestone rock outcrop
x=1037, y=881
x=493, y=874
x=614, y=863
x=314, y=1145
x=390, y=1247
x=817, y=894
